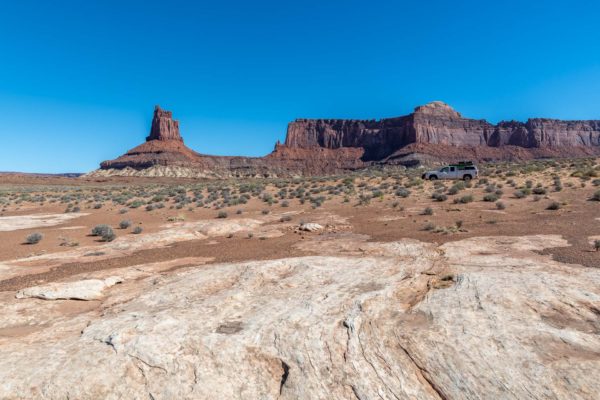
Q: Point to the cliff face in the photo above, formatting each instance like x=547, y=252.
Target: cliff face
x=438, y=124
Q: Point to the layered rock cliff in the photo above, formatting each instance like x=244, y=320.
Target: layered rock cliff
x=433, y=132
x=438, y=124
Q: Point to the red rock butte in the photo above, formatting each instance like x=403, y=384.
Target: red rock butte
x=433, y=132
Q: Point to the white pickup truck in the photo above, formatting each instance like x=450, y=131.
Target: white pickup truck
x=464, y=170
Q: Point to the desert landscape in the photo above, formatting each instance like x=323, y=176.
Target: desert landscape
x=372, y=284
x=315, y=200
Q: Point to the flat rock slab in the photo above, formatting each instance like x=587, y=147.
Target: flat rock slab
x=16, y=222
x=89, y=289
x=480, y=318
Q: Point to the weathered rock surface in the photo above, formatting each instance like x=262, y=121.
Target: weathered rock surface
x=477, y=318
x=433, y=132
x=311, y=227
x=89, y=289
x=16, y=222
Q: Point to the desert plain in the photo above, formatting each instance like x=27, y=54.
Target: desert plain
x=368, y=285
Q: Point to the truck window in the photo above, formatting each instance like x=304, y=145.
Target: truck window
x=452, y=169
x=445, y=169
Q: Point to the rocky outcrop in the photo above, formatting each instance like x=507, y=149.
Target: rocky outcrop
x=479, y=318
x=433, y=132
x=164, y=127
x=437, y=123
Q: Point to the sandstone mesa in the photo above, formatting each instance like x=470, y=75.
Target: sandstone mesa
x=321, y=146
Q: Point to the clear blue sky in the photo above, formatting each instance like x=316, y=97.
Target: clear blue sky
x=79, y=79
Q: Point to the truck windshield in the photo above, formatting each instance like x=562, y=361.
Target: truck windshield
x=445, y=169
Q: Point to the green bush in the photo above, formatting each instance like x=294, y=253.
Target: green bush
x=427, y=211
x=403, y=192
x=464, y=199
x=439, y=197
x=490, y=197
x=34, y=238
x=519, y=194
x=99, y=230
x=555, y=205
x=222, y=214
x=124, y=224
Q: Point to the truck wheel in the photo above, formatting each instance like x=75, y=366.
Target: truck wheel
x=467, y=177
x=432, y=177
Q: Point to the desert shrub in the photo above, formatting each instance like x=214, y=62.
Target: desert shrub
x=439, y=197
x=464, y=199
x=403, y=192
x=597, y=244
x=150, y=207
x=124, y=224
x=459, y=224
x=222, y=214
x=285, y=218
x=453, y=190
x=137, y=230
x=519, y=194
x=136, y=204
x=500, y=205
x=285, y=203
x=97, y=206
x=34, y=238
x=99, y=230
x=460, y=185
x=539, y=190
x=499, y=192
x=528, y=184
x=596, y=182
x=265, y=212
x=238, y=212
x=555, y=205
x=76, y=209
x=105, y=232
x=123, y=210
x=490, y=197
x=429, y=226
x=427, y=211
x=596, y=196
x=364, y=199
x=108, y=236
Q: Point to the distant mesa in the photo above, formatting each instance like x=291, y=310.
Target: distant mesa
x=434, y=132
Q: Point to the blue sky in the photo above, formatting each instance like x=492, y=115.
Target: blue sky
x=79, y=79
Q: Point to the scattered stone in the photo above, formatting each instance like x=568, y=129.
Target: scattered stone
x=310, y=227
